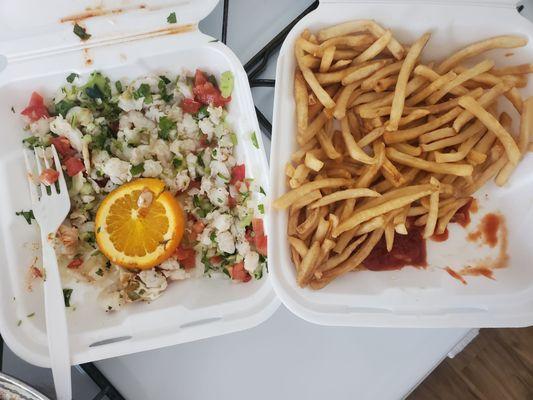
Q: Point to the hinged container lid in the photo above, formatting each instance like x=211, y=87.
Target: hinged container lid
x=34, y=27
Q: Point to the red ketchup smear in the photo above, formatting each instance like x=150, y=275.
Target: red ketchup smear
x=490, y=224
x=408, y=249
x=456, y=275
x=441, y=237
x=477, y=271
x=462, y=216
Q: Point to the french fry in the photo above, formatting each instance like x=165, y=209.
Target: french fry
x=300, y=98
x=371, y=136
x=342, y=101
x=513, y=95
x=327, y=58
x=401, y=86
x=298, y=245
x=437, y=134
x=412, y=133
x=526, y=125
x=364, y=215
x=327, y=145
x=344, y=195
x=408, y=149
x=306, y=199
x=430, y=166
x=391, y=173
x=312, y=162
x=317, y=89
x=428, y=73
x=513, y=70
x=336, y=260
x=368, y=83
x=479, y=68
x=376, y=48
x=290, y=197
x=453, y=139
x=308, y=264
x=353, y=149
x=513, y=153
x=498, y=42
x=364, y=70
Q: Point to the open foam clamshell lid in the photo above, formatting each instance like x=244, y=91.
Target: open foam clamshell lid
x=34, y=27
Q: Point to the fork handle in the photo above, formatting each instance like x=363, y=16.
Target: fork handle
x=56, y=322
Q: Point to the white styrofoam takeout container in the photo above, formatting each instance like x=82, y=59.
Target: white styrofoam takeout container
x=40, y=52
x=411, y=297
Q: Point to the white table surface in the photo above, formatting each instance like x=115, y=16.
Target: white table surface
x=285, y=357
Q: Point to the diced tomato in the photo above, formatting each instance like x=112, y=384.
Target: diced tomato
x=36, y=108
x=204, y=142
x=194, y=184
x=238, y=273
x=75, y=263
x=73, y=166
x=190, y=106
x=259, y=238
x=199, y=78
x=261, y=244
x=62, y=145
x=215, y=260
x=257, y=225
x=186, y=257
x=36, y=272
x=197, y=228
x=232, y=202
x=238, y=173
x=49, y=176
x=209, y=94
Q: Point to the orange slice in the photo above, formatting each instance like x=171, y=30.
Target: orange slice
x=139, y=233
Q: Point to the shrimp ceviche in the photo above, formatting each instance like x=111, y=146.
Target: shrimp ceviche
x=157, y=193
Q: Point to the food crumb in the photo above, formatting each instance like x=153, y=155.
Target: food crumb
x=30, y=315
x=19, y=322
x=456, y=275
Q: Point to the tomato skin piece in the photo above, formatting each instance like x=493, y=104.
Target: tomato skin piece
x=215, y=260
x=238, y=173
x=36, y=108
x=73, y=166
x=199, y=78
x=49, y=176
x=186, y=257
x=259, y=239
x=75, y=263
x=238, y=273
x=63, y=147
x=190, y=106
x=257, y=225
x=261, y=244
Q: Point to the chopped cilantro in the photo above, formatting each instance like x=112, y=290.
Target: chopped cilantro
x=71, y=77
x=196, y=201
x=162, y=85
x=30, y=315
x=81, y=32
x=213, y=237
x=66, y=296
x=226, y=84
x=19, y=322
x=133, y=295
x=28, y=215
x=226, y=272
x=63, y=106
x=261, y=190
x=98, y=141
x=99, y=272
x=171, y=19
x=202, y=113
x=143, y=91
x=31, y=142
x=89, y=237
x=137, y=169
x=233, y=137
x=94, y=92
x=177, y=162
x=13, y=109
x=258, y=273
x=164, y=79
x=165, y=126
x=200, y=159
x=118, y=86
x=261, y=208
x=224, y=178
x=211, y=78
x=254, y=140
x=213, y=41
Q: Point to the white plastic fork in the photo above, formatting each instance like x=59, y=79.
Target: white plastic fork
x=50, y=210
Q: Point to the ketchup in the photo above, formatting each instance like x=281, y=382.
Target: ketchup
x=408, y=249
x=462, y=216
x=441, y=237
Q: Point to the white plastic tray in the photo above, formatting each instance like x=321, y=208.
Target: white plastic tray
x=188, y=310
x=412, y=297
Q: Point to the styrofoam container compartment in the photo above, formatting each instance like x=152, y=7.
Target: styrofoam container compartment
x=415, y=297
x=39, y=57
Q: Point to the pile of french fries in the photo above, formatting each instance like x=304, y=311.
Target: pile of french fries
x=387, y=141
